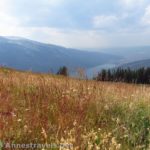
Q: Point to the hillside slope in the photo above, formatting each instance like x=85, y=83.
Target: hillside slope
x=38, y=108
x=137, y=64
x=130, y=53
x=26, y=54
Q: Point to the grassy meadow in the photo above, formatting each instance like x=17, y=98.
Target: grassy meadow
x=89, y=115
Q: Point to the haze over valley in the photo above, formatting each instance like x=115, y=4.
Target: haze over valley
x=25, y=54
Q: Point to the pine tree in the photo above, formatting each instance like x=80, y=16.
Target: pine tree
x=139, y=76
x=63, y=71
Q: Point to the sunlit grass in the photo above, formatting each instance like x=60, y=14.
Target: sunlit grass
x=90, y=115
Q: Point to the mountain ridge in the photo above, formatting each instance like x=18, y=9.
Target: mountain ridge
x=137, y=64
x=25, y=54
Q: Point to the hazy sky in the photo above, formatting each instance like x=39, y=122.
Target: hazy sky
x=78, y=23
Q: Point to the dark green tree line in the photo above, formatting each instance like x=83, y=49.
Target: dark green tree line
x=63, y=71
x=139, y=76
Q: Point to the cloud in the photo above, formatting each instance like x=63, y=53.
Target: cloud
x=7, y=21
x=53, y=2
x=76, y=23
x=68, y=38
x=146, y=18
x=104, y=21
x=81, y=39
x=6, y=18
x=131, y=4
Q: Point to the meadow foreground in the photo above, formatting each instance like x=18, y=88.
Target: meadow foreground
x=86, y=115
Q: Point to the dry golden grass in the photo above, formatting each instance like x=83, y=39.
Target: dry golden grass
x=38, y=108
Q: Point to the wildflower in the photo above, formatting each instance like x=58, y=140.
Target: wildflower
x=106, y=107
x=19, y=120
x=118, y=146
x=113, y=140
x=97, y=147
x=25, y=127
x=130, y=105
x=75, y=123
x=90, y=145
x=13, y=114
x=44, y=133
x=99, y=129
x=27, y=109
x=74, y=90
x=118, y=120
x=62, y=139
x=88, y=88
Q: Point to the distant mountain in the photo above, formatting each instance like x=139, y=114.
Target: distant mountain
x=130, y=54
x=24, y=54
x=137, y=64
x=133, y=57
